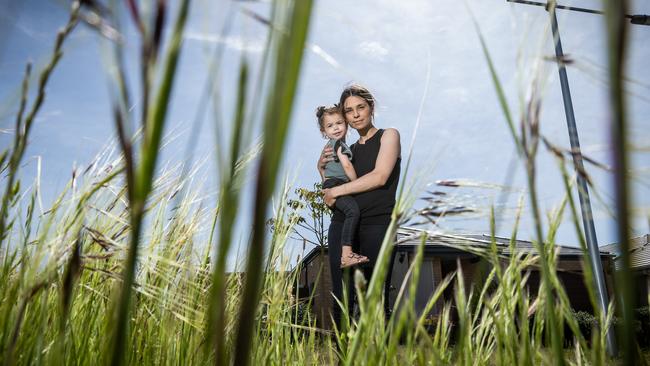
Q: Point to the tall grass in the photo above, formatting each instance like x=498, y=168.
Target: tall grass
x=617, y=42
x=86, y=282
x=141, y=174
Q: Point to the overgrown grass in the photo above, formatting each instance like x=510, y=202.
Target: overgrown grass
x=87, y=282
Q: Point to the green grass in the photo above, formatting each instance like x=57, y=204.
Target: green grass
x=87, y=282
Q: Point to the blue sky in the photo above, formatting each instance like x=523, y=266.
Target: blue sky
x=388, y=46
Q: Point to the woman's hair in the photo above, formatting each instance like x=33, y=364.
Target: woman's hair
x=358, y=91
x=326, y=110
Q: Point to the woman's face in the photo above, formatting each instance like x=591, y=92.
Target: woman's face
x=357, y=112
x=334, y=126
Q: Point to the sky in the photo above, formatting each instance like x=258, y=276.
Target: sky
x=421, y=59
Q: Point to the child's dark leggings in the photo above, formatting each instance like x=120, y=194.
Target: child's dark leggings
x=349, y=207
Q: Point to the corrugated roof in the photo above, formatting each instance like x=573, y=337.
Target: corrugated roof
x=639, y=252
x=475, y=242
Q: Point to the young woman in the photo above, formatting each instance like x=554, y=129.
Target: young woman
x=377, y=164
x=340, y=171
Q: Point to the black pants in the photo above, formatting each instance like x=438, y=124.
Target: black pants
x=350, y=209
x=369, y=242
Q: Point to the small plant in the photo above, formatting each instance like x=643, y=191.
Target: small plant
x=309, y=211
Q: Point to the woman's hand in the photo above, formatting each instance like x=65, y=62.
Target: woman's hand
x=329, y=197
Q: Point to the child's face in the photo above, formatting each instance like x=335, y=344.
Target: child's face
x=334, y=126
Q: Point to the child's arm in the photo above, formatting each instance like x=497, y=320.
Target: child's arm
x=325, y=157
x=347, y=165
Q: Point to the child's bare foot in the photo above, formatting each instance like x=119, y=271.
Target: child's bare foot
x=353, y=259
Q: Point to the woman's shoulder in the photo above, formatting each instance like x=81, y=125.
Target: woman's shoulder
x=390, y=139
x=389, y=133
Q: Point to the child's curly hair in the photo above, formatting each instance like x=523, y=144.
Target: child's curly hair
x=326, y=110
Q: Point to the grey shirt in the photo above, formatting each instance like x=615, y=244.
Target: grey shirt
x=334, y=169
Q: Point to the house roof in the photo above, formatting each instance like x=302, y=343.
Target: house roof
x=639, y=251
x=438, y=242
x=477, y=242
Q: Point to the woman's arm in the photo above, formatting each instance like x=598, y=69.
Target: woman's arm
x=389, y=152
x=348, y=168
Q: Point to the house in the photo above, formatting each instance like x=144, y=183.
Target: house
x=442, y=254
x=640, y=265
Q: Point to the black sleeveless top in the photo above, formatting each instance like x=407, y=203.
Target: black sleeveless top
x=376, y=205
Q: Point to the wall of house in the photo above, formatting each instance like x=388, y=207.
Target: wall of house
x=642, y=281
x=316, y=281
x=570, y=274
x=429, y=277
x=400, y=269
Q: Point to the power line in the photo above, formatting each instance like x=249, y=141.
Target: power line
x=639, y=19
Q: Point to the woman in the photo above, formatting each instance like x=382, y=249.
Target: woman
x=377, y=164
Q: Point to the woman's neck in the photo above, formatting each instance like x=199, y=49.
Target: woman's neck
x=366, y=133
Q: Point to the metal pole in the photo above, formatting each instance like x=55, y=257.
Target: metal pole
x=583, y=190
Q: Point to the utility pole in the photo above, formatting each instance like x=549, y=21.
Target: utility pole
x=583, y=190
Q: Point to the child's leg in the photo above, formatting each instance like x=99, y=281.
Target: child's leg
x=346, y=251
x=350, y=208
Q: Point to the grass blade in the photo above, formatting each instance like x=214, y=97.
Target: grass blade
x=617, y=43
x=144, y=178
x=276, y=123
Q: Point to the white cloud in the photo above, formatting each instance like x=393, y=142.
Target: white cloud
x=44, y=116
x=232, y=42
x=373, y=50
x=30, y=32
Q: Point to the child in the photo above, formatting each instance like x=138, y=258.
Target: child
x=339, y=171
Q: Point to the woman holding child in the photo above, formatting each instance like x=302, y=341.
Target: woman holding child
x=376, y=161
